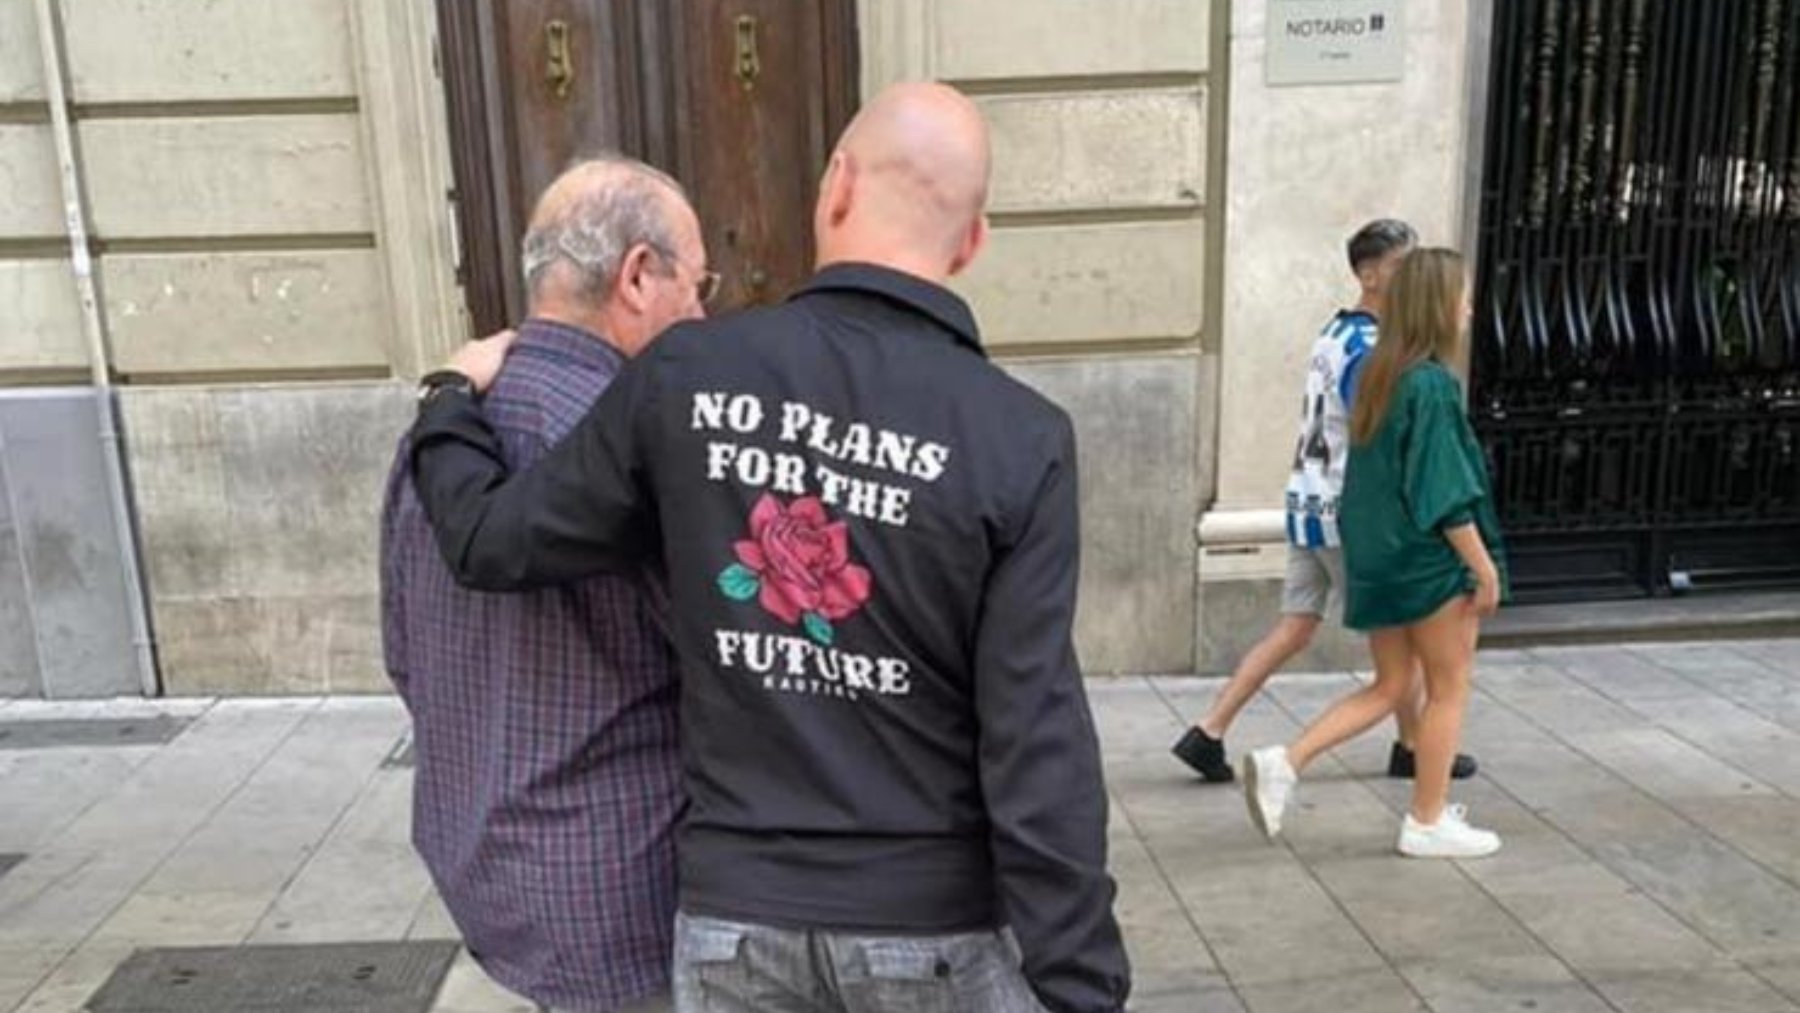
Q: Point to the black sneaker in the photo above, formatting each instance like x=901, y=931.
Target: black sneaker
x=1205, y=754
x=1402, y=764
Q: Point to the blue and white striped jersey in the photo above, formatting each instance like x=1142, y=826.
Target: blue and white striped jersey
x=1317, y=480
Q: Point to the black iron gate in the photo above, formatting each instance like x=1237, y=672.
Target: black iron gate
x=1636, y=373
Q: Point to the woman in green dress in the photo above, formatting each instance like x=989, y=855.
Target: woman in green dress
x=1421, y=549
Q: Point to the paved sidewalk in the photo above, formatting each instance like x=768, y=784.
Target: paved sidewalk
x=1649, y=797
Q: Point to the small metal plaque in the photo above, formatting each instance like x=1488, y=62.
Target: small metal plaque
x=155, y=730
x=334, y=978
x=1335, y=41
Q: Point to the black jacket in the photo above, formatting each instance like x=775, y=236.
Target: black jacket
x=871, y=536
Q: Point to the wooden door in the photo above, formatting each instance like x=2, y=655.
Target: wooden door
x=764, y=88
x=739, y=99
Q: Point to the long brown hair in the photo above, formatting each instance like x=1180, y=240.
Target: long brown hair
x=1422, y=320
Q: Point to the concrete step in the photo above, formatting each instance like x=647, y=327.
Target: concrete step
x=1713, y=616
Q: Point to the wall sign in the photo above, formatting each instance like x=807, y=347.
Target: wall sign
x=1335, y=41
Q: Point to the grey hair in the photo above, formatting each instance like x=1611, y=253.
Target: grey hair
x=601, y=223
x=1378, y=239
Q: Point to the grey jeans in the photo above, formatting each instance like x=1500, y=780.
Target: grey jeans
x=732, y=967
x=655, y=1004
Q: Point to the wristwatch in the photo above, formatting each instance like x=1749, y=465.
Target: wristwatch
x=433, y=384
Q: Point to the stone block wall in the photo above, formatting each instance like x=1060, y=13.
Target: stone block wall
x=1309, y=165
x=258, y=508
x=265, y=189
x=1098, y=285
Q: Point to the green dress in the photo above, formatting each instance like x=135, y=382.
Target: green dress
x=1421, y=474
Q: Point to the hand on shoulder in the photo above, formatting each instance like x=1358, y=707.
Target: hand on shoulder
x=480, y=360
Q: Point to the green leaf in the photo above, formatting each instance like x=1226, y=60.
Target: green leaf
x=739, y=582
x=818, y=627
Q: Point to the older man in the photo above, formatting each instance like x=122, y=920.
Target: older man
x=872, y=541
x=545, y=729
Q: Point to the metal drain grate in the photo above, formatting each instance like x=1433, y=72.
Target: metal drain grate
x=333, y=978
x=150, y=731
x=9, y=862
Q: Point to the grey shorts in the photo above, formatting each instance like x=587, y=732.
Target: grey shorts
x=1314, y=585
x=733, y=967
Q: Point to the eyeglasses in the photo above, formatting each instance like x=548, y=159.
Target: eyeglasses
x=706, y=288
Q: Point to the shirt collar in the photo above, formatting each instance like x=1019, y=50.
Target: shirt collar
x=566, y=340
x=943, y=306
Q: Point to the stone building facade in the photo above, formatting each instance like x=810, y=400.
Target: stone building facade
x=275, y=260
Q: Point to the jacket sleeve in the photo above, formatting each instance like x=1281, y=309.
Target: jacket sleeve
x=1040, y=758
x=583, y=508
x=1440, y=482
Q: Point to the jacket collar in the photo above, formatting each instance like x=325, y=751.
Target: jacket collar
x=943, y=306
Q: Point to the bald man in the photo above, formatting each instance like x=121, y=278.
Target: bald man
x=871, y=536
x=547, y=780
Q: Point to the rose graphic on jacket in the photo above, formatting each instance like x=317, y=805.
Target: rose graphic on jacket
x=796, y=563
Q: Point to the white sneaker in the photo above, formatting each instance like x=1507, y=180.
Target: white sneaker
x=1450, y=837
x=1268, y=782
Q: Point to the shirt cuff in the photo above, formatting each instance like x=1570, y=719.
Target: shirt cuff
x=1456, y=519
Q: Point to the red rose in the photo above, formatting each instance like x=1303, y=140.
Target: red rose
x=802, y=560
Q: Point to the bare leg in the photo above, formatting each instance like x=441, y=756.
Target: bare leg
x=1363, y=709
x=1406, y=716
x=1290, y=635
x=1445, y=645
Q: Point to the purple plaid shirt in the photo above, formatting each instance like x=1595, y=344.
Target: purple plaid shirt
x=544, y=728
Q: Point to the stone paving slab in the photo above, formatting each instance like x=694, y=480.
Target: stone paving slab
x=69, y=886
x=363, y=883
x=468, y=990
x=103, y=732
x=1446, y=938
x=1602, y=964
x=215, y=888
x=1362, y=992
x=431, y=920
x=1649, y=797
x=1722, y=990
x=42, y=791
x=1782, y=976
x=1734, y=900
